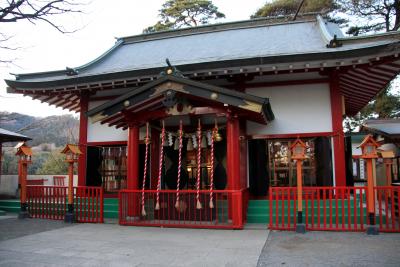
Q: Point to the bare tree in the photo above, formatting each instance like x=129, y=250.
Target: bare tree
x=13, y=11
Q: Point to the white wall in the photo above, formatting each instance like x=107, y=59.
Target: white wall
x=98, y=132
x=9, y=183
x=297, y=109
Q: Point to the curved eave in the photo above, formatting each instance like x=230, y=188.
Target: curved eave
x=187, y=68
x=56, y=73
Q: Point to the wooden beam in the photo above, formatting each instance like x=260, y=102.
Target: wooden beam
x=358, y=76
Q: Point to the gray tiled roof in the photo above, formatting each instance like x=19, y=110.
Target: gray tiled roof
x=385, y=126
x=215, y=43
x=8, y=136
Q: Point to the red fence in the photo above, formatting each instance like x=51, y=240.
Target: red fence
x=387, y=208
x=282, y=208
x=334, y=208
x=50, y=202
x=228, y=211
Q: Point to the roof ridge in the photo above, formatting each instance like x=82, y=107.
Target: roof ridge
x=221, y=26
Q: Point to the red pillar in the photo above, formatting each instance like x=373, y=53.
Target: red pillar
x=83, y=125
x=233, y=153
x=133, y=157
x=235, y=209
x=337, y=129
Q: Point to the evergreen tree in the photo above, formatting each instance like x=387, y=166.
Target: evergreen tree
x=177, y=14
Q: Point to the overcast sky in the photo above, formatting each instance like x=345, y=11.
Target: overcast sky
x=44, y=48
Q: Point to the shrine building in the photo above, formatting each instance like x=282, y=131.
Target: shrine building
x=241, y=91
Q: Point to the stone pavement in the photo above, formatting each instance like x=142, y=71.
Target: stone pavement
x=114, y=245
x=330, y=249
x=52, y=243
x=11, y=227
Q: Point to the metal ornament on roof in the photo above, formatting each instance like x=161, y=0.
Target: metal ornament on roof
x=171, y=70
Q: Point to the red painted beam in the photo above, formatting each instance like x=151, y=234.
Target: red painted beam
x=233, y=153
x=337, y=129
x=83, y=125
x=133, y=157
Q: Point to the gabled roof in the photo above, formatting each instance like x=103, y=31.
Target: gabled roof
x=73, y=148
x=26, y=150
x=366, y=63
x=8, y=136
x=368, y=139
x=172, y=86
x=385, y=127
x=256, y=42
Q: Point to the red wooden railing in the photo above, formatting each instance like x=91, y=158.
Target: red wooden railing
x=335, y=208
x=50, y=202
x=228, y=211
x=47, y=202
x=387, y=208
x=282, y=208
x=89, y=204
x=324, y=208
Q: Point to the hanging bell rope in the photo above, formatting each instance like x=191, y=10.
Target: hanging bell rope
x=213, y=134
x=146, y=155
x=198, y=166
x=178, y=182
x=160, y=166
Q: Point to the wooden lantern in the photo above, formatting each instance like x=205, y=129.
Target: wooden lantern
x=71, y=152
x=24, y=153
x=369, y=152
x=369, y=148
x=298, y=149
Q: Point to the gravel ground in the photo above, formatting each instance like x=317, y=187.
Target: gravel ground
x=330, y=249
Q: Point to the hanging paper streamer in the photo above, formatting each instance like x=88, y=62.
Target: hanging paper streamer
x=209, y=136
x=170, y=139
x=178, y=182
x=146, y=155
x=194, y=141
x=160, y=166
x=198, y=166
x=203, y=142
x=189, y=146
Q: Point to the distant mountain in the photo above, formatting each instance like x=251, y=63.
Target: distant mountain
x=53, y=129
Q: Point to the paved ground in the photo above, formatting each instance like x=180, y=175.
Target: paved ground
x=11, y=227
x=330, y=249
x=114, y=245
x=53, y=243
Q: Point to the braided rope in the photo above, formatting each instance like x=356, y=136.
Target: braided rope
x=146, y=155
x=214, y=132
x=198, y=166
x=160, y=167
x=178, y=183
